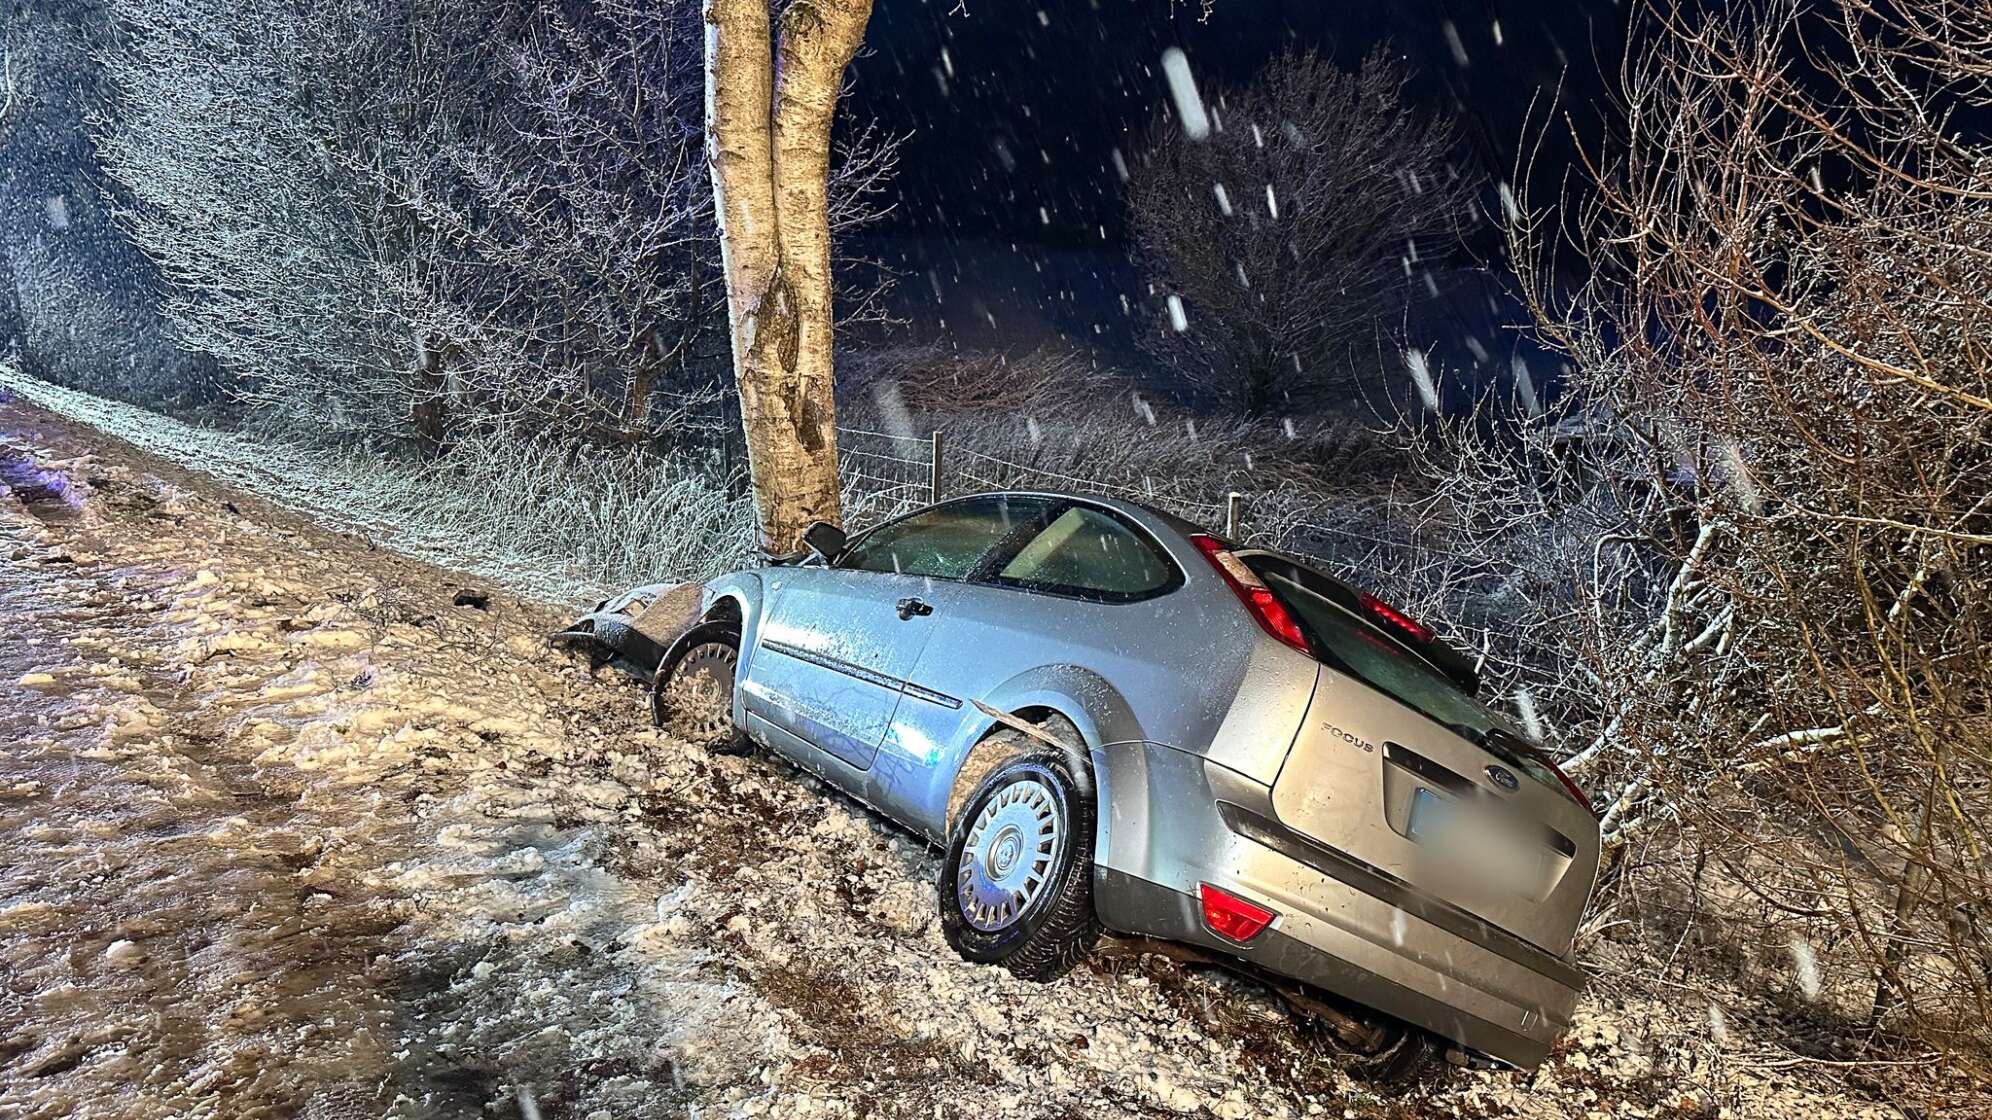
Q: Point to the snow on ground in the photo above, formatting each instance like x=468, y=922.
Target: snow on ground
x=282, y=832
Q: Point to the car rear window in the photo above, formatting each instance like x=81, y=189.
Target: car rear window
x=1347, y=643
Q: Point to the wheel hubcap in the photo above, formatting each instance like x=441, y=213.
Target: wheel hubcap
x=700, y=693
x=1013, y=844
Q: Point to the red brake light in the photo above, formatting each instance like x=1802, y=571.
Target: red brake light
x=1385, y=613
x=1570, y=787
x=1265, y=609
x=1232, y=917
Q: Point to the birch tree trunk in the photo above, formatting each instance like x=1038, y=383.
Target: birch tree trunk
x=768, y=140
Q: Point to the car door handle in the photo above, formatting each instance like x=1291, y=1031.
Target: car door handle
x=910, y=606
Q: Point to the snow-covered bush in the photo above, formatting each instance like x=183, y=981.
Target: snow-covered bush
x=432, y=223
x=1744, y=560
x=1286, y=237
x=1051, y=419
x=598, y=519
x=551, y=518
x=76, y=298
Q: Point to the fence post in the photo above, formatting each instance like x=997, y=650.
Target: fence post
x=1234, y=514
x=934, y=471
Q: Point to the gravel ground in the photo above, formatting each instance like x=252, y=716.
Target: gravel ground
x=284, y=833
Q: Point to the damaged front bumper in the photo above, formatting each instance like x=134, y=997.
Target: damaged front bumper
x=634, y=630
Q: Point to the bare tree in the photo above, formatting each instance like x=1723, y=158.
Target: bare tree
x=1297, y=230
x=435, y=223
x=273, y=259
x=771, y=94
x=75, y=296
x=1744, y=559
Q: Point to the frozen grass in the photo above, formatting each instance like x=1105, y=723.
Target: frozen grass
x=547, y=520
x=562, y=523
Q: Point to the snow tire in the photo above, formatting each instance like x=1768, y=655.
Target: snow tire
x=1058, y=927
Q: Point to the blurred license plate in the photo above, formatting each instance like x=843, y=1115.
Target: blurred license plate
x=1429, y=815
x=1475, y=840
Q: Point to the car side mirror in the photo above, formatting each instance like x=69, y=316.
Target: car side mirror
x=825, y=541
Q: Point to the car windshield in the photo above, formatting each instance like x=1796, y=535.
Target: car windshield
x=1351, y=646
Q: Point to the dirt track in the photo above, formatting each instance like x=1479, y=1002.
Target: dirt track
x=282, y=832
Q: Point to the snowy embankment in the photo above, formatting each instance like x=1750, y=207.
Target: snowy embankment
x=530, y=519
x=283, y=832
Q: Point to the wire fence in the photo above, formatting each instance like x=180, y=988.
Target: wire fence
x=885, y=474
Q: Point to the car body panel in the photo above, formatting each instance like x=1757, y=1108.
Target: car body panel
x=832, y=655
x=1181, y=820
x=1361, y=745
x=916, y=768
x=1013, y=650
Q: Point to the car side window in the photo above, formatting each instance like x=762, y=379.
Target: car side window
x=1092, y=554
x=944, y=542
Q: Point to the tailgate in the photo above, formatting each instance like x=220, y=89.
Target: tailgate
x=1381, y=783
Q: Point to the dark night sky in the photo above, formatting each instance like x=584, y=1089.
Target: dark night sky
x=1008, y=205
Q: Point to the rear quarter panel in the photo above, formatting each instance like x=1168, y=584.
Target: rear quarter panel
x=1189, y=669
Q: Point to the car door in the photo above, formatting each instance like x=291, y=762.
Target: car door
x=1072, y=601
x=837, y=643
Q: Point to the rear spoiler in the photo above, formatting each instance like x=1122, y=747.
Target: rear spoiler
x=1388, y=621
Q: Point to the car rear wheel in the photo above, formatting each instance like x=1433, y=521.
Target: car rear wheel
x=691, y=695
x=1016, y=888
x=1398, y=1056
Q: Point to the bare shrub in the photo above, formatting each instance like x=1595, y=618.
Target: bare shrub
x=428, y=224
x=1743, y=562
x=1055, y=420
x=1288, y=236
x=932, y=381
x=552, y=519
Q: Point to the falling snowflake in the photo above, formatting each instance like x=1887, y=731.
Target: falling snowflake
x=1453, y=41
x=1804, y=966
x=1525, y=385
x=1421, y=376
x=1183, y=89
x=1736, y=473
x=1525, y=707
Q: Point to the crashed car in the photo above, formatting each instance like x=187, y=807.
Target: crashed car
x=1107, y=717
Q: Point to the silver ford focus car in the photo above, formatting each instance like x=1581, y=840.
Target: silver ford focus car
x=1110, y=718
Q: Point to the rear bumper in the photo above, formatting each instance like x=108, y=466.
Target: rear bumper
x=1175, y=820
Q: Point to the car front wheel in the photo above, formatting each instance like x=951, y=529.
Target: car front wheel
x=691, y=694
x=1016, y=888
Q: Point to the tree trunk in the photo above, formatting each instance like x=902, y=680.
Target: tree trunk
x=642, y=382
x=768, y=137
x=429, y=411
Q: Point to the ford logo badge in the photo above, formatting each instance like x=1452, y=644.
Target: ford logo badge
x=1503, y=777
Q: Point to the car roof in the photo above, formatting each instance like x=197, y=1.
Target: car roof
x=1148, y=515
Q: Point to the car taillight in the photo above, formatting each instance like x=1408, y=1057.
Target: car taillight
x=1570, y=787
x=1232, y=917
x=1271, y=615
x=1390, y=616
